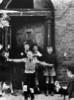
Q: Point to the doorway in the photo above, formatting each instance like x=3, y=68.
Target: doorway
x=28, y=29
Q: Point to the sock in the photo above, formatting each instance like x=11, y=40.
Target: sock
x=32, y=96
x=26, y=94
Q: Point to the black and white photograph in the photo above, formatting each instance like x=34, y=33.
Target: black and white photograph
x=36, y=50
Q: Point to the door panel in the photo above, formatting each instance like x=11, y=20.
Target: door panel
x=39, y=35
x=35, y=34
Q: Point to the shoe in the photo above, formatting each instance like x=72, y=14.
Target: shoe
x=46, y=93
x=25, y=99
x=32, y=96
x=52, y=93
x=25, y=95
x=0, y=95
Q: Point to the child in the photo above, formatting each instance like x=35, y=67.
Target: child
x=6, y=75
x=50, y=73
x=36, y=52
x=59, y=89
x=38, y=55
x=26, y=48
x=70, y=73
x=29, y=72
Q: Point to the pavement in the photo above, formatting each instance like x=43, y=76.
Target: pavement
x=37, y=97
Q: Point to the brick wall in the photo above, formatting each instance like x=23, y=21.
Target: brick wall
x=64, y=37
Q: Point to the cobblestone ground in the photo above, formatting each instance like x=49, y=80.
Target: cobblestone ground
x=37, y=97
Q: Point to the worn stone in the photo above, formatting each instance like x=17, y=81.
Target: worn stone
x=64, y=36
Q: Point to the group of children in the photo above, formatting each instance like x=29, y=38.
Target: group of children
x=29, y=73
x=31, y=59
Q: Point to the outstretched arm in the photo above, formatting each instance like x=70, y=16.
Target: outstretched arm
x=44, y=63
x=16, y=60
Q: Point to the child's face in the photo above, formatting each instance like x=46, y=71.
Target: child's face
x=35, y=48
x=26, y=47
x=49, y=50
x=29, y=54
x=69, y=73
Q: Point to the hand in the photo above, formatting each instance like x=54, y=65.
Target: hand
x=47, y=64
x=51, y=65
x=38, y=54
x=7, y=59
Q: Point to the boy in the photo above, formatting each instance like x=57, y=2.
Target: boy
x=50, y=73
x=29, y=72
x=36, y=51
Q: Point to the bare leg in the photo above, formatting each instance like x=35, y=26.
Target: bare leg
x=32, y=93
x=11, y=88
x=25, y=91
x=47, y=83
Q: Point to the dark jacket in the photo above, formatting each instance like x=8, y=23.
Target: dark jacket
x=51, y=59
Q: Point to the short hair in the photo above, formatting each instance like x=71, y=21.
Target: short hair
x=30, y=52
x=5, y=51
x=71, y=68
x=35, y=44
x=26, y=43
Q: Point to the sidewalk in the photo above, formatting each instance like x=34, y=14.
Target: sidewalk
x=37, y=97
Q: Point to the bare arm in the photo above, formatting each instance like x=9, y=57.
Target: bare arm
x=38, y=54
x=44, y=63
x=17, y=60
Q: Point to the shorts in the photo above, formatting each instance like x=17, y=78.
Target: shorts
x=29, y=79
